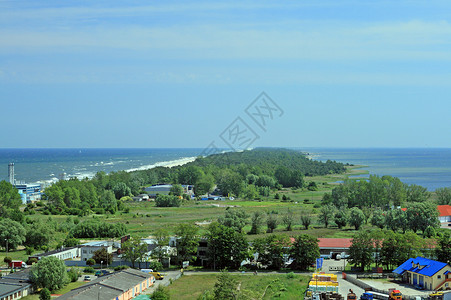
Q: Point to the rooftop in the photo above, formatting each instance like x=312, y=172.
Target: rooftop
x=445, y=210
x=420, y=265
x=109, y=286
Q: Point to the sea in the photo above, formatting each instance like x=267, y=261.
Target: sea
x=428, y=167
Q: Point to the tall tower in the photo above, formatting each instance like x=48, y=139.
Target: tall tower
x=11, y=173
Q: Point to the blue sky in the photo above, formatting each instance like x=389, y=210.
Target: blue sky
x=176, y=74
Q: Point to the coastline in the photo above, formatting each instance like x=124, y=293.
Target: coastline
x=166, y=164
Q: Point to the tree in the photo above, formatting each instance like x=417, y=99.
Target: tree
x=230, y=182
x=161, y=293
x=306, y=220
x=341, y=218
x=422, y=215
x=256, y=223
x=190, y=175
x=378, y=219
x=134, y=250
x=417, y=193
x=443, y=249
x=250, y=192
x=288, y=220
x=187, y=242
x=204, y=185
x=50, y=272
x=162, y=238
x=326, y=214
x=108, y=201
x=9, y=196
x=71, y=242
x=271, y=250
x=304, y=251
x=11, y=232
x=227, y=248
x=45, y=294
x=271, y=223
x=396, y=219
x=90, y=262
x=38, y=234
x=443, y=196
x=226, y=287
x=361, y=250
x=176, y=190
x=234, y=218
x=7, y=260
x=265, y=180
x=103, y=255
x=167, y=201
x=356, y=217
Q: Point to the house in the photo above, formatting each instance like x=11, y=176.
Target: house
x=164, y=189
x=15, y=285
x=444, y=213
x=61, y=253
x=141, y=197
x=425, y=273
x=88, y=249
x=333, y=247
x=123, y=285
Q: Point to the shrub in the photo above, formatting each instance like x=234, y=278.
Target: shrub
x=167, y=201
x=155, y=265
x=73, y=274
x=7, y=259
x=32, y=260
x=119, y=268
x=290, y=275
x=90, y=262
x=45, y=294
x=89, y=270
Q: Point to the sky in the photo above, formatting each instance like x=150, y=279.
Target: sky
x=191, y=73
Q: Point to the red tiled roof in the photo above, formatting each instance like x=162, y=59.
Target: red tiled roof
x=445, y=210
x=334, y=243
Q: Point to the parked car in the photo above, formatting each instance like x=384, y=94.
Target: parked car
x=102, y=273
x=87, y=278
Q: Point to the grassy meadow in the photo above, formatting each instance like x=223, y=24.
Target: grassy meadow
x=262, y=286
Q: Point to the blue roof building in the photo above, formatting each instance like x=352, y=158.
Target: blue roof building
x=426, y=273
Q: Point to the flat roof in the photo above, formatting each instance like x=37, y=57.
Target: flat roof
x=109, y=286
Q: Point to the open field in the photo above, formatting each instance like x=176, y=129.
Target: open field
x=269, y=285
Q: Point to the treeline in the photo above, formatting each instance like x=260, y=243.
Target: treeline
x=390, y=249
x=40, y=234
x=377, y=191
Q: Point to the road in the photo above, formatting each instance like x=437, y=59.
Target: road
x=168, y=275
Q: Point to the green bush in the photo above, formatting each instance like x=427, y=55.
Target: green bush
x=290, y=275
x=73, y=274
x=119, y=268
x=89, y=270
x=45, y=294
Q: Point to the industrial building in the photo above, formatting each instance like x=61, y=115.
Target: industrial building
x=123, y=285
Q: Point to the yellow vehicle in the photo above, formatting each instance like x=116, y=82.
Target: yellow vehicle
x=157, y=275
x=395, y=295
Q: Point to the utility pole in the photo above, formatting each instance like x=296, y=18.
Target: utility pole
x=6, y=247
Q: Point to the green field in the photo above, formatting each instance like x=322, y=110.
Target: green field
x=270, y=285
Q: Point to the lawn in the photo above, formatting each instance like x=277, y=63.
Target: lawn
x=275, y=285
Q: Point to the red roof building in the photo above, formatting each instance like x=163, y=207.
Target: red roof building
x=445, y=213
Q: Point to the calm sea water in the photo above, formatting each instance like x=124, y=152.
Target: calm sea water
x=427, y=167
x=430, y=168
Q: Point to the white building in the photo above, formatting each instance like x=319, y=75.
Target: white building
x=88, y=249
